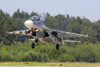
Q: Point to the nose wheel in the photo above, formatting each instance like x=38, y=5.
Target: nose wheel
x=34, y=44
x=57, y=46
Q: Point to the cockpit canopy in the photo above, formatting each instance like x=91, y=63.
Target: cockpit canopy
x=34, y=18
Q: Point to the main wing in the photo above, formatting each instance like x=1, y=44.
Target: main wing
x=69, y=34
x=20, y=32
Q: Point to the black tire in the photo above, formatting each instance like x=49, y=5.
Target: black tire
x=36, y=40
x=33, y=45
x=57, y=46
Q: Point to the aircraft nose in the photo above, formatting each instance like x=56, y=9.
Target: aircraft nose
x=28, y=23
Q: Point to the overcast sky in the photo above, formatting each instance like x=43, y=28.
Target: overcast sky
x=83, y=8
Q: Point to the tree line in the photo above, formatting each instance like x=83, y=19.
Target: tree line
x=22, y=52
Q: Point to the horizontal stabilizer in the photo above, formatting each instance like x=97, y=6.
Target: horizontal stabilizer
x=31, y=39
x=72, y=41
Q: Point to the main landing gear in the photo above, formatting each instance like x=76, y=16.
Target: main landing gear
x=57, y=46
x=34, y=44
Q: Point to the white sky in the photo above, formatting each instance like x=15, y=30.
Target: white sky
x=83, y=8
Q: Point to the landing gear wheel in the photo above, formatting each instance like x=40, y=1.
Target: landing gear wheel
x=57, y=46
x=36, y=40
x=33, y=45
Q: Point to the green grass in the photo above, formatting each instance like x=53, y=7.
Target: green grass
x=48, y=64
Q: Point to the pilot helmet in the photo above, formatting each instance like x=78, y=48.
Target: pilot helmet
x=35, y=18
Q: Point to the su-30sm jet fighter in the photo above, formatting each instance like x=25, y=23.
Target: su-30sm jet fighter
x=40, y=32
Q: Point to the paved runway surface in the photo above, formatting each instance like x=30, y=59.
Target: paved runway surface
x=49, y=66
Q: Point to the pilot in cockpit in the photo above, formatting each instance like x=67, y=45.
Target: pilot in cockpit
x=34, y=18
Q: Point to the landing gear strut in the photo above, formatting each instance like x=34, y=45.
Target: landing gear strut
x=57, y=46
x=34, y=44
x=36, y=40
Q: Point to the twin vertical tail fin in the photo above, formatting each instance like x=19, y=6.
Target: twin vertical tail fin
x=64, y=25
x=43, y=17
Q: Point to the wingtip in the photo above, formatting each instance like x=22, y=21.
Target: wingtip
x=86, y=36
x=6, y=32
x=9, y=32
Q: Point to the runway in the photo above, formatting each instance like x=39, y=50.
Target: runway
x=49, y=66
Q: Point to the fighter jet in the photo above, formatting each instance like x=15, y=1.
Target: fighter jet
x=40, y=32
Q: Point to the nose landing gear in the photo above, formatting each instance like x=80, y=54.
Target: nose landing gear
x=34, y=44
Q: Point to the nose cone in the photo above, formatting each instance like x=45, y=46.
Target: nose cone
x=28, y=23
